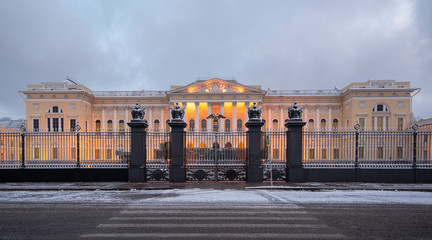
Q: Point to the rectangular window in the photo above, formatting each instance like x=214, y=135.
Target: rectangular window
x=55, y=124
x=311, y=153
x=399, y=153
x=72, y=125
x=62, y=124
x=97, y=154
x=380, y=123
x=362, y=122
x=400, y=124
x=49, y=124
x=336, y=153
x=380, y=153
x=108, y=154
x=55, y=109
x=55, y=153
x=361, y=152
x=36, y=153
x=275, y=153
x=73, y=153
x=35, y=125
x=324, y=153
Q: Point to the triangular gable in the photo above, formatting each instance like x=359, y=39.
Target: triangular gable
x=216, y=85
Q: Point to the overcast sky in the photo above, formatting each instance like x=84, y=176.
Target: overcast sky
x=150, y=45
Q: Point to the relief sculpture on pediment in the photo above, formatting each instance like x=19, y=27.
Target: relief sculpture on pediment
x=215, y=88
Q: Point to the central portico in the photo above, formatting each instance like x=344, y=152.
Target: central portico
x=227, y=97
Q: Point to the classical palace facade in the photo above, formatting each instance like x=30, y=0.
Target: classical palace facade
x=375, y=105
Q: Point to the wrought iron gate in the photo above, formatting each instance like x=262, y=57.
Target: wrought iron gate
x=274, y=155
x=215, y=156
x=158, y=155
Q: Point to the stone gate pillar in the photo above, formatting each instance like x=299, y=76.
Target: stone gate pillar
x=294, y=164
x=138, y=156
x=177, y=170
x=254, y=170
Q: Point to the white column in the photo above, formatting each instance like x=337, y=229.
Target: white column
x=197, y=123
x=246, y=110
x=115, y=128
x=330, y=118
x=150, y=123
x=209, y=120
x=235, y=116
x=184, y=117
x=306, y=114
x=222, y=122
x=103, y=119
x=384, y=123
x=375, y=123
x=162, y=122
x=281, y=118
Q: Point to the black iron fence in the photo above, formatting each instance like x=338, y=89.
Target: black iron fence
x=64, y=149
x=367, y=149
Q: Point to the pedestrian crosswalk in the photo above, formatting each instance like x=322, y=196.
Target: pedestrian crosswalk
x=213, y=221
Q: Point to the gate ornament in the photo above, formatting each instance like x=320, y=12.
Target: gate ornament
x=215, y=118
x=254, y=113
x=137, y=113
x=295, y=112
x=177, y=112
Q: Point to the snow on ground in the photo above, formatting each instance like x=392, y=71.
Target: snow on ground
x=221, y=196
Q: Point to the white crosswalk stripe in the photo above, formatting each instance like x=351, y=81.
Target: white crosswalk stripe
x=213, y=221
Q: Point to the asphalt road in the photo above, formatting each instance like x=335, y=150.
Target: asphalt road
x=273, y=220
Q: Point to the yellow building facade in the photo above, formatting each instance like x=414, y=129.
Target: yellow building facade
x=375, y=105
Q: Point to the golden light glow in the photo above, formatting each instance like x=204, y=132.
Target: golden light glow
x=240, y=89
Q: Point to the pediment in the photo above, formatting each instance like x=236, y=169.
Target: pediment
x=216, y=86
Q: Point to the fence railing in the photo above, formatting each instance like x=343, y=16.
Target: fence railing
x=367, y=149
x=64, y=149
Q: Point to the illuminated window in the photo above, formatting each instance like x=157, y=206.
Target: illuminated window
x=380, y=153
x=335, y=124
x=97, y=154
x=156, y=125
x=323, y=124
x=227, y=125
x=73, y=153
x=275, y=124
x=241, y=145
x=311, y=124
x=191, y=125
x=239, y=125
x=203, y=125
x=108, y=154
x=110, y=125
x=121, y=126
x=190, y=145
x=203, y=145
x=400, y=122
x=311, y=153
x=98, y=125
x=336, y=153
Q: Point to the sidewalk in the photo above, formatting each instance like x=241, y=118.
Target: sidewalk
x=125, y=186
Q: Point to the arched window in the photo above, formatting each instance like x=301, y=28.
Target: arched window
x=156, y=125
x=228, y=145
x=110, y=125
x=215, y=145
x=241, y=145
x=98, y=125
x=323, y=124
x=190, y=145
x=203, y=145
x=275, y=124
x=191, y=125
x=239, y=125
x=227, y=125
x=311, y=124
x=121, y=126
x=203, y=125
x=335, y=124
x=380, y=108
x=380, y=117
